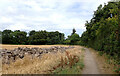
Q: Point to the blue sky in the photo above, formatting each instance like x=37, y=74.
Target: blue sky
x=50, y=15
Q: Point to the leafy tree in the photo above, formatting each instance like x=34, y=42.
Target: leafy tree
x=102, y=32
x=19, y=37
x=7, y=37
x=73, y=39
x=73, y=31
x=31, y=32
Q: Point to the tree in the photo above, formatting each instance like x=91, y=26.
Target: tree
x=103, y=31
x=73, y=39
x=73, y=31
x=31, y=32
x=35, y=37
x=7, y=37
x=19, y=37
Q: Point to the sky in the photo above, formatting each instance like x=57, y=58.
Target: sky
x=50, y=15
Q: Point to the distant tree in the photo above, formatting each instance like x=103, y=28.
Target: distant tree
x=73, y=32
x=31, y=32
x=19, y=37
x=34, y=37
x=55, y=37
x=7, y=37
x=73, y=39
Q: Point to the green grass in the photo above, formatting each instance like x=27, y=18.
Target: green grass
x=112, y=61
x=100, y=53
x=83, y=49
x=75, y=69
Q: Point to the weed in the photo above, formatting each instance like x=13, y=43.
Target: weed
x=83, y=49
x=100, y=53
x=71, y=64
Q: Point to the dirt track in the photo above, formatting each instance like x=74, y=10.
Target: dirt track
x=96, y=64
x=90, y=64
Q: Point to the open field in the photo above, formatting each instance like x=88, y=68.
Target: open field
x=58, y=62
x=42, y=65
x=11, y=47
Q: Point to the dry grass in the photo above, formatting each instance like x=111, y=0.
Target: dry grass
x=69, y=60
x=36, y=65
x=105, y=68
x=11, y=47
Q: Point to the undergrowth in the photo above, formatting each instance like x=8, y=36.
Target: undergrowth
x=71, y=64
x=111, y=60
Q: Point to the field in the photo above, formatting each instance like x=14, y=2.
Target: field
x=73, y=60
x=10, y=47
x=47, y=64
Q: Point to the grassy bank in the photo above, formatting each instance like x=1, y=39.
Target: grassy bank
x=72, y=64
x=111, y=61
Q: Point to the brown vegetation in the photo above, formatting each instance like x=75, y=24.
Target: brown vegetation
x=11, y=47
x=102, y=63
x=43, y=65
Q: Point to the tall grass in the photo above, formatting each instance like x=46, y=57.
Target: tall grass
x=48, y=63
x=71, y=64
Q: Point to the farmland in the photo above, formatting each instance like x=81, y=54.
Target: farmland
x=41, y=65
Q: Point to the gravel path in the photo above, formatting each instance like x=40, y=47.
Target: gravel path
x=90, y=64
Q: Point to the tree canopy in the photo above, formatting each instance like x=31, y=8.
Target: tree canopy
x=102, y=32
x=34, y=37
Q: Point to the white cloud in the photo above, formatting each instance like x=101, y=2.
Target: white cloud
x=46, y=14
x=6, y=20
x=18, y=26
x=11, y=9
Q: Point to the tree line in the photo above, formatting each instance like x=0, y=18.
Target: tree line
x=33, y=37
x=37, y=37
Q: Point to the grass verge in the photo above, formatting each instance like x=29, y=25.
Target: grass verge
x=71, y=64
x=114, y=62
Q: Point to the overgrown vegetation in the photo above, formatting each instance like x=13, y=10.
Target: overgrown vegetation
x=103, y=31
x=71, y=64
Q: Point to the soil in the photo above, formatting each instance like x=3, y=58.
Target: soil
x=96, y=64
x=90, y=63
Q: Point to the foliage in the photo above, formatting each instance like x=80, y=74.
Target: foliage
x=102, y=32
x=7, y=37
x=71, y=64
x=74, y=39
x=73, y=31
x=34, y=37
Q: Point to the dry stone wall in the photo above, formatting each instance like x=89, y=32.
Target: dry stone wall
x=20, y=52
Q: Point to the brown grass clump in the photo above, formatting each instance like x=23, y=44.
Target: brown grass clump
x=68, y=60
